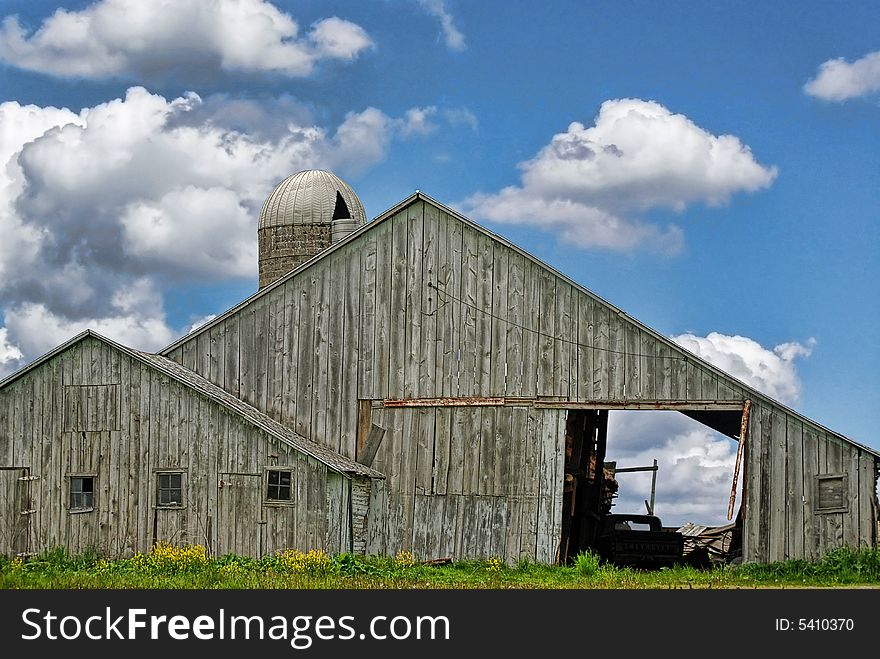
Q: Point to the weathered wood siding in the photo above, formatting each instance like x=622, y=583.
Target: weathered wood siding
x=424, y=305
x=95, y=410
x=470, y=482
x=785, y=458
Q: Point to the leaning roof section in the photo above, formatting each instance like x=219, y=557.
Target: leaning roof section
x=333, y=460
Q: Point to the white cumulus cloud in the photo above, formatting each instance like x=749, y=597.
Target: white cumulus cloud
x=839, y=80
x=105, y=209
x=143, y=40
x=695, y=466
x=453, y=38
x=770, y=371
x=591, y=184
x=10, y=355
x=41, y=329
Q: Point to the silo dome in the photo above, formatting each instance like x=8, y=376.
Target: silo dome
x=303, y=215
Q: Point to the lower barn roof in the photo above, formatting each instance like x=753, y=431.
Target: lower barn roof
x=333, y=460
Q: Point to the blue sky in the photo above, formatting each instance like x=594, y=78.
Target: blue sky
x=759, y=250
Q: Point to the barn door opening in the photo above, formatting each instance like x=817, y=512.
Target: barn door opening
x=240, y=516
x=14, y=511
x=585, y=498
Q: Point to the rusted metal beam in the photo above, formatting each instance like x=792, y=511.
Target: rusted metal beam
x=540, y=403
x=743, y=430
x=686, y=405
x=471, y=401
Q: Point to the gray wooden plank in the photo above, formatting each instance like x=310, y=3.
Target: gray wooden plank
x=457, y=440
x=384, y=275
x=351, y=356
x=708, y=384
x=247, y=355
x=616, y=357
x=794, y=502
x=679, y=377
x=483, y=348
x=515, y=335
x=530, y=494
x=488, y=451
x=778, y=490
x=585, y=346
x=867, y=495
x=449, y=333
x=291, y=335
x=563, y=344
x=546, y=472
x=556, y=482
x=408, y=450
x=546, y=340
x=232, y=355
x=277, y=357
x=726, y=391
x=502, y=457
x=411, y=347
x=366, y=295
x=306, y=353
x=377, y=518
x=442, y=446
x=500, y=326
x=467, y=385
x=435, y=529
x=473, y=429
x=336, y=358
x=810, y=460
x=765, y=513
x=450, y=513
x=443, y=326
x=851, y=518
x=633, y=363
x=321, y=348
x=531, y=321
x=694, y=380
x=428, y=384
x=215, y=358
x=649, y=365
x=424, y=450
x=399, y=290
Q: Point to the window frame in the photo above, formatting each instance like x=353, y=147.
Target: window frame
x=278, y=502
x=81, y=509
x=843, y=478
x=157, y=473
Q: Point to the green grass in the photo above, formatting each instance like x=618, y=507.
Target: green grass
x=191, y=568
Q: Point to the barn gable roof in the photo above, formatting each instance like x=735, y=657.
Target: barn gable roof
x=421, y=197
x=334, y=461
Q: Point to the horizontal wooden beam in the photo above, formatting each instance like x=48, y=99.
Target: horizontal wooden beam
x=681, y=405
x=540, y=403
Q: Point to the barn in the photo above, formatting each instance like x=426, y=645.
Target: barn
x=413, y=383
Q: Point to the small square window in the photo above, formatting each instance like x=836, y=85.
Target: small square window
x=82, y=492
x=169, y=492
x=831, y=493
x=278, y=485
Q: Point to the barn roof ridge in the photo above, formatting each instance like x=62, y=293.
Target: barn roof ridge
x=333, y=460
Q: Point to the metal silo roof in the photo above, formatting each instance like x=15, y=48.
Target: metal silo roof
x=309, y=197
